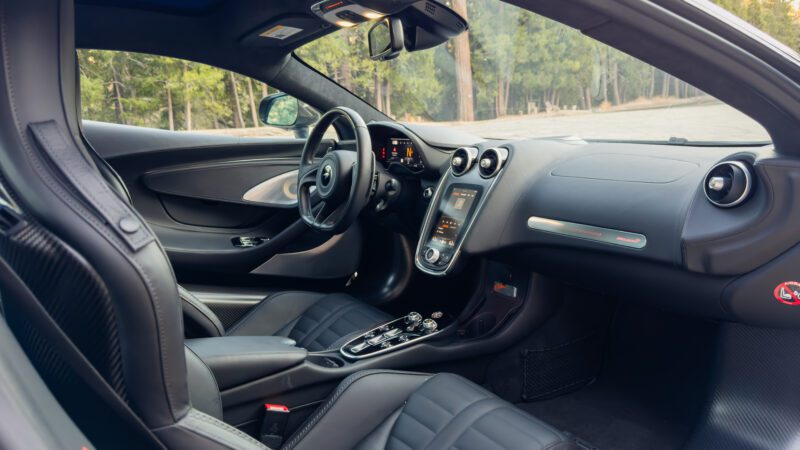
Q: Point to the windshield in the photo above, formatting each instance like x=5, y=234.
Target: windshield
x=515, y=74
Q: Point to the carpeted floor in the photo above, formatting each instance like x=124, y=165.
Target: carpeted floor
x=651, y=389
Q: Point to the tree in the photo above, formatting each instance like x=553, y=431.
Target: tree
x=511, y=61
x=463, y=64
x=253, y=110
x=236, y=107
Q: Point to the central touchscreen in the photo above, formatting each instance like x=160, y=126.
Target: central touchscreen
x=455, y=210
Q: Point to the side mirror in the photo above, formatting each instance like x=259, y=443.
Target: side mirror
x=385, y=39
x=284, y=111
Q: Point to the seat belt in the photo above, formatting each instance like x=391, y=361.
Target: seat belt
x=15, y=290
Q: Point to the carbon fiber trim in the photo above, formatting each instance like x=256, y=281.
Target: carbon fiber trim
x=74, y=296
x=755, y=402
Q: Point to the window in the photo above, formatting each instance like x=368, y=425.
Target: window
x=777, y=18
x=516, y=74
x=172, y=94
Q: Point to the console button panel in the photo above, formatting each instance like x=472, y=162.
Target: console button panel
x=402, y=332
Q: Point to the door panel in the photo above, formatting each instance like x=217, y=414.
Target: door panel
x=203, y=193
x=224, y=182
x=210, y=213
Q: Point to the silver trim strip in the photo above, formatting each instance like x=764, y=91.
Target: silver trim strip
x=279, y=191
x=588, y=232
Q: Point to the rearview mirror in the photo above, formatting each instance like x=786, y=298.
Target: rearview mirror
x=385, y=39
x=284, y=111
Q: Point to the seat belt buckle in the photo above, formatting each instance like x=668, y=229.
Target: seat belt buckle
x=273, y=426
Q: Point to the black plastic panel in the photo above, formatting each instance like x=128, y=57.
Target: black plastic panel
x=225, y=181
x=754, y=404
x=610, y=185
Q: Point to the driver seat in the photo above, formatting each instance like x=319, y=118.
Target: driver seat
x=313, y=320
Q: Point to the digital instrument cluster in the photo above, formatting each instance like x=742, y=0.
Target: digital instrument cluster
x=400, y=151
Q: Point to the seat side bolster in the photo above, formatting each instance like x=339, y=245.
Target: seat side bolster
x=201, y=316
x=362, y=403
x=199, y=430
x=203, y=388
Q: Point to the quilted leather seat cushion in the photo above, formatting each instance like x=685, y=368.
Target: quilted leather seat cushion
x=409, y=411
x=315, y=321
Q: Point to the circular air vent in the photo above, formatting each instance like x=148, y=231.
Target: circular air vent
x=728, y=183
x=492, y=161
x=462, y=160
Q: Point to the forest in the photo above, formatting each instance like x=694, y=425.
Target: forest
x=529, y=65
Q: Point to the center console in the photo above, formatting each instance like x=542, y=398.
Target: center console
x=459, y=198
x=403, y=332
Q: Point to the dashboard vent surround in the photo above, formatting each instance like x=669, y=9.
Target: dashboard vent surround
x=728, y=183
x=492, y=161
x=462, y=160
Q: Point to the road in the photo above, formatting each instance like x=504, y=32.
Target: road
x=708, y=122
x=704, y=122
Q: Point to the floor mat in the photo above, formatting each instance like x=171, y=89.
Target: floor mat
x=651, y=388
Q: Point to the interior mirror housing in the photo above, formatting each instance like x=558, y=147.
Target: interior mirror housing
x=385, y=39
x=428, y=24
x=281, y=110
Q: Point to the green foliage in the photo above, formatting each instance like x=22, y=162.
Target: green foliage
x=283, y=112
x=519, y=63
x=156, y=91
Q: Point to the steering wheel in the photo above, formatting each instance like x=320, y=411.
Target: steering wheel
x=342, y=178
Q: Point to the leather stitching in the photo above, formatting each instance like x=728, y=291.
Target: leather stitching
x=198, y=416
x=343, y=386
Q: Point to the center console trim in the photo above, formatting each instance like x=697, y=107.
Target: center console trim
x=395, y=347
x=433, y=207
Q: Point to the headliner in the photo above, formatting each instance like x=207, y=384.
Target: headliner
x=214, y=32
x=174, y=6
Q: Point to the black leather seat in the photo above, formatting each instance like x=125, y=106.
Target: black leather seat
x=98, y=270
x=314, y=321
x=421, y=411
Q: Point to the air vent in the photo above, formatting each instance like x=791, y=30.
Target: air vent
x=462, y=160
x=728, y=183
x=492, y=161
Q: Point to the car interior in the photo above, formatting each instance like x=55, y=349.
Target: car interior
x=170, y=289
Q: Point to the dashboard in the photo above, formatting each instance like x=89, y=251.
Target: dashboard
x=641, y=221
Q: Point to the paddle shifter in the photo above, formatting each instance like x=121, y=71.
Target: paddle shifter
x=402, y=332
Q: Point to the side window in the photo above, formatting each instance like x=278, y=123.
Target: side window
x=173, y=94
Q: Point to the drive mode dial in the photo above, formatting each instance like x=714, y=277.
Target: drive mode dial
x=431, y=255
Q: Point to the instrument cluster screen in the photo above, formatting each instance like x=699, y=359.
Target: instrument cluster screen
x=400, y=151
x=453, y=216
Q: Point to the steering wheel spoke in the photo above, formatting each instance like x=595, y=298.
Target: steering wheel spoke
x=326, y=213
x=307, y=174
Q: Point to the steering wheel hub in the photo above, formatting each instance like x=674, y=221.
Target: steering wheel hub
x=341, y=178
x=327, y=176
